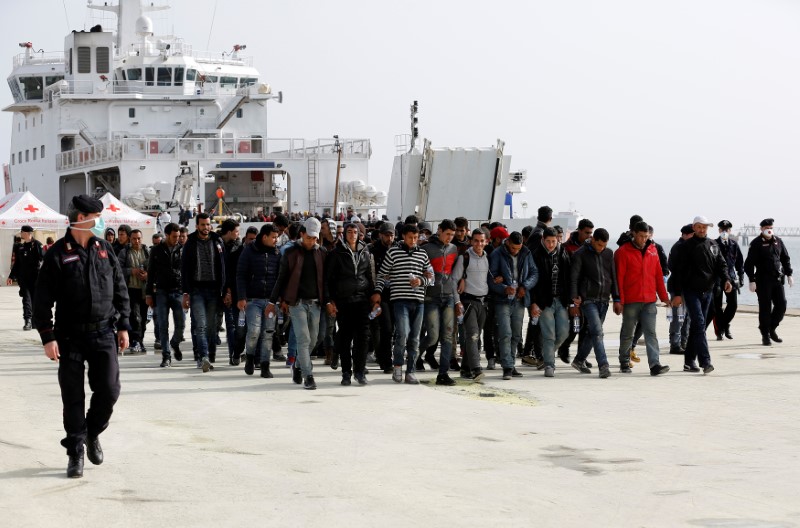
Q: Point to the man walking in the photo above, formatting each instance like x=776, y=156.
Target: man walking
x=735, y=262
x=134, y=259
x=28, y=256
x=163, y=290
x=471, y=271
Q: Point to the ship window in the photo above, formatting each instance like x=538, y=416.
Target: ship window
x=249, y=81
x=53, y=79
x=191, y=75
x=69, y=62
x=31, y=87
x=212, y=78
x=149, y=76
x=34, y=153
x=27, y=155
x=165, y=76
x=42, y=148
x=228, y=81
x=179, y=76
x=131, y=112
x=102, y=60
x=122, y=75
x=84, y=59
x=135, y=74
x=202, y=111
x=19, y=156
x=240, y=113
x=13, y=156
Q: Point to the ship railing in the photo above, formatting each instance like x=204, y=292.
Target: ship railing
x=108, y=87
x=179, y=48
x=198, y=148
x=50, y=57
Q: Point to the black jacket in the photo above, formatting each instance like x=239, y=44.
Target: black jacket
x=233, y=250
x=257, y=271
x=348, y=274
x=28, y=258
x=164, y=271
x=698, y=265
x=767, y=259
x=189, y=262
x=86, y=286
x=594, y=275
x=733, y=258
x=542, y=294
x=534, y=241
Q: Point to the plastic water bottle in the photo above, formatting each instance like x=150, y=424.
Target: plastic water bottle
x=374, y=313
x=280, y=317
x=460, y=318
x=411, y=277
x=149, y=313
x=433, y=275
x=576, y=321
x=513, y=285
x=681, y=313
x=242, y=319
x=534, y=320
x=669, y=315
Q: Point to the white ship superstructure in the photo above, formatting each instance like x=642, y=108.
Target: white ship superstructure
x=160, y=125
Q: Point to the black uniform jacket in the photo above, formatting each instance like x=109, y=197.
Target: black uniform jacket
x=85, y=285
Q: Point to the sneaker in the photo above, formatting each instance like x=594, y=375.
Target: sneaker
x=156, y=345
x=491, y=364
x=659, y=369
x=346, y=379
x=580, y=367
x=371, y=358
x=478, y=375
x=297, y=375
x=420, y=366
x=625, y=368
x=207, y=365
x=675, y=349
x=290, y=361
x=278, y=357
x=530, y=360
x=634, y=357
x=199, y=363
x=691, y=368
x=587, y=364
x=605, y=371
x=166, y=362
x=708, y=369
x=444, y=379
x=411, y=379
x=132, y=350
x=539, y=363
x=265, y=372
x=310, y=384
x=431, y=361
x=564, y=355
x=361, y=379
x=549, y=372
x=249, y=365
x=515, y=373
x=176, y=351
x=397, y=374
x=454, y=366
x=465, y=374
x=235, y=360
x=728, y=333
x=507, y=374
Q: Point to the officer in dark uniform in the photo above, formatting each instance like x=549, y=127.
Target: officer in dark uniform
x=735, y=261
x=28, y=257
x=82, y=277
x=767, y=267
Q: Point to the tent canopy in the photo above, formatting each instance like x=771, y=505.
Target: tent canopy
x=23, y=208
x=116, y=213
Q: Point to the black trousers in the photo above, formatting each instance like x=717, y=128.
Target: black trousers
x=138, y=315
x=771, y=304
x=383, y=329
x=26, y=291
x=489, y=336
x=723, y=318
x=533, y=341
x=99, y=351
x=353, y=321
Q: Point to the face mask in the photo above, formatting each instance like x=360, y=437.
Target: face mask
x=423, y=238
x=98, y=230
x=724, y=235
x=767, y=233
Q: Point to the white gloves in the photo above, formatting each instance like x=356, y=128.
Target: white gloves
x=753, y=287
x=790, y=281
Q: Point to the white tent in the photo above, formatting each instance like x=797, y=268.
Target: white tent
x=116, y=213
x=23, y=208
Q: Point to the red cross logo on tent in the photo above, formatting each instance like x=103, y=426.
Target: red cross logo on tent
x=31, y=208
x=113, y=208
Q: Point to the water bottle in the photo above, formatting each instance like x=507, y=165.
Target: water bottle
x=576, y=321
x=149, y=313
x=241, y=318
x=513, y=285
x=374, y=313
x=681, y=313
x=669, y=315
x=411, y=277
x=534, y=320
x=280, y=317
x=460, y=319
x=433, y=276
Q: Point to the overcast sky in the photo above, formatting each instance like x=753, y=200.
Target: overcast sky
x=662, y=108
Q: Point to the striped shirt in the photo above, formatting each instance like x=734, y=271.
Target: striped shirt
x=398, y=266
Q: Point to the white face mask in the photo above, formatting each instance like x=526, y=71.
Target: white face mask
x=724, y=235
x=767, y=233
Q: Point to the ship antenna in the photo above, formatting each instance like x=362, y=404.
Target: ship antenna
x=208, y=44
x=66, y=14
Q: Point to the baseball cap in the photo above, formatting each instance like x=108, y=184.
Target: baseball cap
x=702, y=220
x=386, y=229
x=687, y=229
x=312, y=226
x=499, y=232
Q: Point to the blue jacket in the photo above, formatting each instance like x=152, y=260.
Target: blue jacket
x=257, y=271
x=500, y=263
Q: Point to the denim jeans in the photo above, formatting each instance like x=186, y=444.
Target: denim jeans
x=554, y=324
x=164, y=303
x=594, y=315
x=305, y=321
x=260, y=330
x=474, y=321
x=697, y=306
x=233, y=332
x=439, y=323
x=632, y=313
x=408, y=317
x=205, y=303
x=679, y=330
x=508, y=319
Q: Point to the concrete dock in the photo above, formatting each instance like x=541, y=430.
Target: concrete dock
x=224, y=449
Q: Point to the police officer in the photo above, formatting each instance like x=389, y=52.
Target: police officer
x=767, y=267
x=82, y=277
x=28, y=257
x=735, y=261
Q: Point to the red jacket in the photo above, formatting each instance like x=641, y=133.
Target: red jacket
x=639, y=274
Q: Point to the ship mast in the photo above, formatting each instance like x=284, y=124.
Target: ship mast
x=128, y=12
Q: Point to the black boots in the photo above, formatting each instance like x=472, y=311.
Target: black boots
x=94, y=451
x=249, y=365
x=265, y=373
x=75, y=466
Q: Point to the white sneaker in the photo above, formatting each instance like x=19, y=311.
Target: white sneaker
x=397, y=374
x=411, y=379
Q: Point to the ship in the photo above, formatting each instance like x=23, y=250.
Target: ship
x=162, y=126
